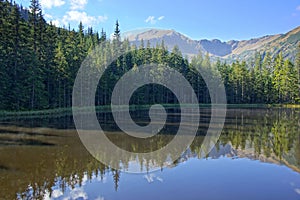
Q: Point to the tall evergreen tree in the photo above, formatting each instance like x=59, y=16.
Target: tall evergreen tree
x=278, y=76
x=267, y=79
x=117, y=32
x=103, y=36
x=297, y=66
x=37, y=86
x=35, y=10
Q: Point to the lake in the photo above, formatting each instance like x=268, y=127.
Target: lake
x=256, y=157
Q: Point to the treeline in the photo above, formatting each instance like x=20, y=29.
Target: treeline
x=39, y=63
x=267, y=81
x=38, y=60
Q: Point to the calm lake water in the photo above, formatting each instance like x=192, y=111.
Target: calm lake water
x=256, y=157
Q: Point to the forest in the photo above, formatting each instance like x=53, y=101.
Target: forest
x=39, y=63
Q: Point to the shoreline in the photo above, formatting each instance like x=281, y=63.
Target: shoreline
x=106, y=108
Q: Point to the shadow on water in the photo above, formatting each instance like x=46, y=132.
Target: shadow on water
x=3, y=168
x=25, y=133
x=23, y=142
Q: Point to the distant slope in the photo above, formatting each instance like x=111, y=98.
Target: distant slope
x=170, y=38
x=216, y=47
x=229, y=51
x=285, y=43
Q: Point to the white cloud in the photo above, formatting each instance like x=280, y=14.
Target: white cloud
x=102, y=18
x=160, y=179
x=52, y=3
x=298, y=8
x=47, y=16
x=102, y=179
x=297, y=190
x=161, y=18
x=151, y=178
x=56, y=22
x=153, y=20
x=57, y=194
x=78, y=193
x=47, y=196
x=99, y=198
x=87, y=20
x=78, y=4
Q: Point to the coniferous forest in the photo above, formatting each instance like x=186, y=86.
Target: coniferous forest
x=39, y=63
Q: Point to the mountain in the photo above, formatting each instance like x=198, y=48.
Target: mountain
x=227, y=51
x=170, y=38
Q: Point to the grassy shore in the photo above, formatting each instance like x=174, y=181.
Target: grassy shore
x=103, y=109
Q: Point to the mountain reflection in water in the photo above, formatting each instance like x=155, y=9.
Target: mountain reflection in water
x=259, y=149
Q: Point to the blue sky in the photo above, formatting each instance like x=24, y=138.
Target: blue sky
x=198, y=19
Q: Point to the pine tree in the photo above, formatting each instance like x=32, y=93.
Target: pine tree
x=297, y=67
x=35, y=10
x=278, y=76
x=239, y=79
x=175, y=58
x=16, y=57
x=61, y=64
x=5, y=37
x=267, y=79
x=37, y=86
x=117, y=33
x=81, y=33
x=258, y=79
x=50, y=45
x=206, y=62
x=285, y=80
x=103, y=36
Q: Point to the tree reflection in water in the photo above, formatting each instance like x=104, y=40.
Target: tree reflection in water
x=34, y=160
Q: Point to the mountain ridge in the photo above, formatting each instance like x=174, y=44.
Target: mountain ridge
x=217, y=49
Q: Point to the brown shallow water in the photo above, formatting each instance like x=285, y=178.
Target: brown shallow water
x=257, y=157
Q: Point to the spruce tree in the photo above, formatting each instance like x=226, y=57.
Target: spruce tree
x=277, y=76
x=297, y=67
x=117, y=33
x=103, y=36
x=35, y=14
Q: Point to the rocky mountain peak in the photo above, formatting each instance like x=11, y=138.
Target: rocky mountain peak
x=228, y=51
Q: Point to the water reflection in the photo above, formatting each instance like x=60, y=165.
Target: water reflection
x=51, y=163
